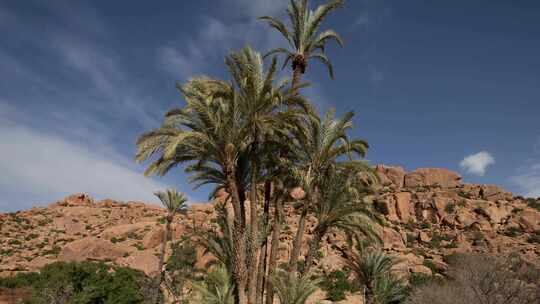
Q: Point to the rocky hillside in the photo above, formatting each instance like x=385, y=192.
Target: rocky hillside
x=430, y=213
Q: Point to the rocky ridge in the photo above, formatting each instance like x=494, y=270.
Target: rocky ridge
x=429, y=212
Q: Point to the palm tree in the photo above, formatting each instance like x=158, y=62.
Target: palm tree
x=390, y=289
x=224, y=130
x=304, y=40
x=174, y=202
x=292, y=288
x=216, y=289
x=341, y=208
x=316, y=149
x=206, y=132
x=372, y=268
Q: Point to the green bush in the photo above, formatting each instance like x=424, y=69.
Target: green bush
x=535, y=238
x=450, y=208
x=83, y=283
x=513, y=232
x=336, y=285
x=533, y=203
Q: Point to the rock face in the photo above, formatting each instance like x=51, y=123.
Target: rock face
x=428, y=213
x=389, y=175
x=94, y=249
x=432, y=177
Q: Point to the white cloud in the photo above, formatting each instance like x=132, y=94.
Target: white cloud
x=39, y=168
x=477, y=163
x=529, y=181
x=206, y=48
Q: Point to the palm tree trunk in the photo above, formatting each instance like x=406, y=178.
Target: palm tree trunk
x=313, y=247
x=297, y=74
x=297, y=244
x=159, y=278
x=276, y=231
x=254, y=227
x=261, y=273
x=369, y=295
x=239, y=262
x=264, y=248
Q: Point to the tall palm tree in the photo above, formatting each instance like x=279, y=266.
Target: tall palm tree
x=341, y=207
x=317, y=148
x=302, y=35
x=372, y=268
x=292, y=288
x=207, y=132
x=223, y=129
x=174, y=202
x=269, y=112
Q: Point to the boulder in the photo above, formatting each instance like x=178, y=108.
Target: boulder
x=421, y=269
x=145, y=261
x=466, y=218
x=91, y=248
x=78, y=199
x=530, y=220
x=494, y=193
x=38, y=263
x=392, y=239
x=122, y=230
x=153, y=238
x=432, y=177
x=386, y=205
x=298, y=193
x=390, y=175
x=404, y=206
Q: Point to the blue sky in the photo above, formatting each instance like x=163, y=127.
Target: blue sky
x=452, y=84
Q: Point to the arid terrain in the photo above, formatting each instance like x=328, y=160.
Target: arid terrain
x=429, y=213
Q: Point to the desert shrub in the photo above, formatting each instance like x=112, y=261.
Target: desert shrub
x=513, y=232
x=180, y=266
x=437, y=238
x=450, y=208
x=481, y=279
x=336, y=285
x=419, y=279
x=85, y=282
x=477, y=238
x=533, y=203
x=55, y=250
x=429, y=264
x=534, y=238
x=19, y=281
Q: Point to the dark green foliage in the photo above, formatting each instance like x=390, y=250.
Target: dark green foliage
x=19, y=281
x=435, y=241
x=181, y=265
x=535, y=238
x=450, y=208
x=477, y=238
x=336, y=285
x=418, y=279
x=533, y=203
x=464, y=194
x=54, y=251
x=82, y=283
x=429, y=264
x=513, y=231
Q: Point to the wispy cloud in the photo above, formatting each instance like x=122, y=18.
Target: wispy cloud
x=39, y=168
x=529, y=180
x=201, y=52
x=527, y=177
x=477, y=163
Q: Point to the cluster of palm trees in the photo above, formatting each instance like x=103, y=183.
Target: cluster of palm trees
x=256, y=138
